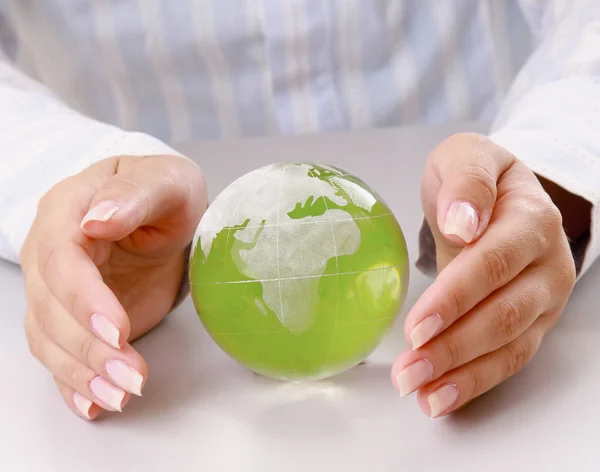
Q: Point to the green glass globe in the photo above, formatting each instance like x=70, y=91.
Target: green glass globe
x=298, y=270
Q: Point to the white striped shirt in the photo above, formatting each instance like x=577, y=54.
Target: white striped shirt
x=81, y=80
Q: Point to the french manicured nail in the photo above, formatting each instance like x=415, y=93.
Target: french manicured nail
x=462, y=220
x=82, y=404
x=102, y=212
x=107, y=393
x=426, y=330
x=442, y=399
x=413, y=376
x=125, y=376
x=105, y=329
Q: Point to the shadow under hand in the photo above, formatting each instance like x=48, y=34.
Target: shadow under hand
x=179, y=368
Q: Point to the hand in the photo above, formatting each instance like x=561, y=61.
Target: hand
x=505, y=274
x=103, y=263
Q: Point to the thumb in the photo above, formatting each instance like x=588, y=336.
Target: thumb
x=165, y=195
x=467, y=167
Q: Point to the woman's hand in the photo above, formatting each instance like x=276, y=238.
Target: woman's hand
x=103, y=263
x=506, y=272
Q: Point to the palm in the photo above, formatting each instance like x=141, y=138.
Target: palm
x=145, y=267
x=145, y=286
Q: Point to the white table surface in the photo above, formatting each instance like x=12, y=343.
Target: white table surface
x=202, y=412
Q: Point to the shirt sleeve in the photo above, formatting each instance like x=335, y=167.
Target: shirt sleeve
x=550, y=118
x=43, y=141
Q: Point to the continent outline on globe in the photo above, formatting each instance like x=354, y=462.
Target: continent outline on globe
x=314, y=252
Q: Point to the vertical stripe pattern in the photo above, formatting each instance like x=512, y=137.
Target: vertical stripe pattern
x=84, y=79
x=208, y=69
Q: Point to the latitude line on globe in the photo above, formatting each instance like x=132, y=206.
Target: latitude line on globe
x=292, y=223
x=299, y=277
x=374, y=320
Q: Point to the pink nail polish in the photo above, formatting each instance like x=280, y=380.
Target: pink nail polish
x=462, y=220
x=125, y=376
x=105, y=329
x=102, y=212
x=82, y=404
x=442, y=399
x=107, y=393
x=413, y=376
x=426, y=330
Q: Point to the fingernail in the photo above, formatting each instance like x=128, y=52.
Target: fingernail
x=413, y=376
x=105, y=329
x=82, y=404
x=125, y=376
x=107, y=393
x=462, y=221
x=426, y=330
x=442, y=399
x=102, y=212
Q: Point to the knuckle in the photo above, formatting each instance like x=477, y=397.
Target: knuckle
x=546, y=214
x=542, y=227
x=453, y=300
x=509, y=319
x=451, y=352
x=46, y=258
x=474, y=382
x=481, y=178
x=562, y=273
x=87, y=348
x=554, y=224
x=74, y=300
x=497, y=267
x=519, y=354
x=127, y=186
x=553, y=216
x=181, y=180
x=128, y=189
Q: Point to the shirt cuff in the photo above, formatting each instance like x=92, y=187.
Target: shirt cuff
x=32, y=184
x=553, y=131
x=552, y=158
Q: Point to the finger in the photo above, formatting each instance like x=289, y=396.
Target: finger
x=468, y=167
x=73, y=373
x=73, y=278
x=79, y=404
x=457, y=388
x=124, y=367
x=164, y=194
x=510, y=244
x=494, y=323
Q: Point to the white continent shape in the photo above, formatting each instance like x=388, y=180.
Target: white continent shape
x=290, y=255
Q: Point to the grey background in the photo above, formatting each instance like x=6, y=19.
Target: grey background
x=202, y=411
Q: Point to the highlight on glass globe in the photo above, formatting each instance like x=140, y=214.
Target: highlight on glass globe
x=298, y=271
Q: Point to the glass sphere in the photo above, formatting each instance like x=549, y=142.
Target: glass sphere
x=298, y=270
